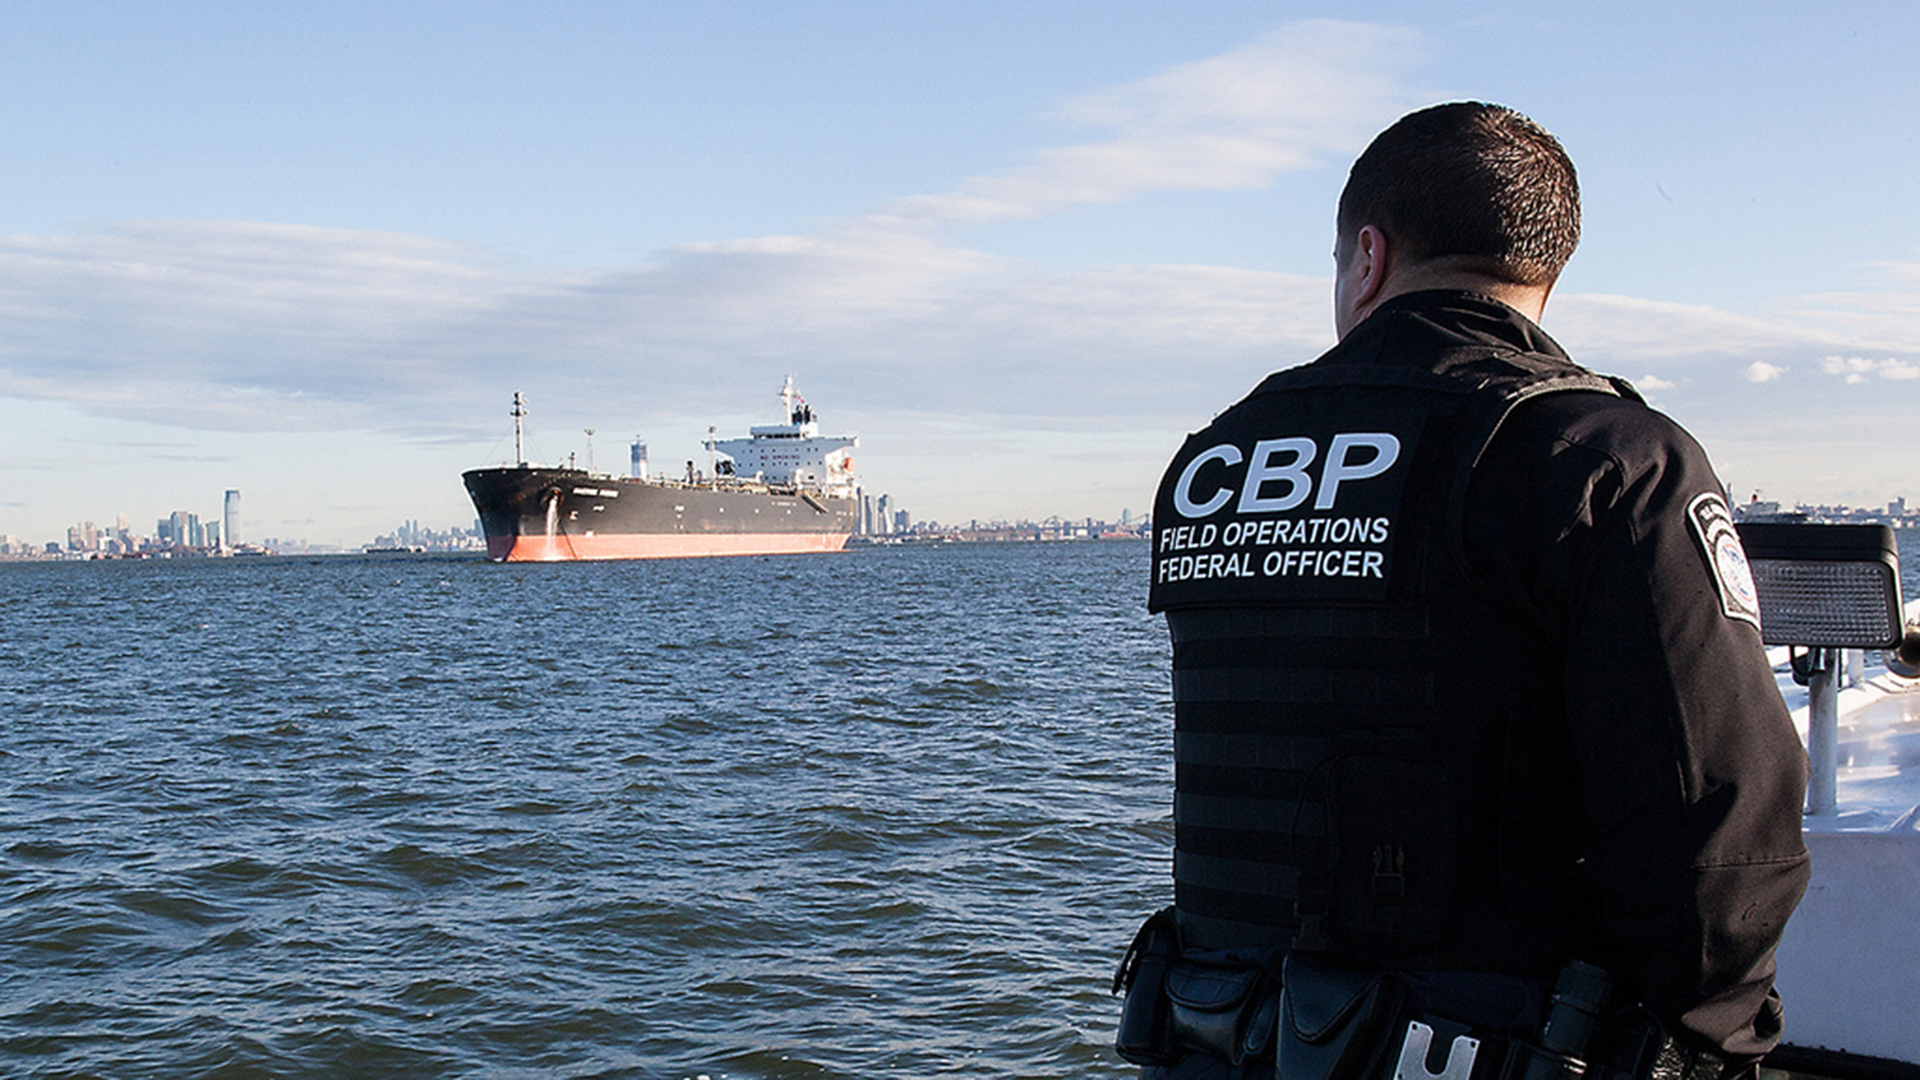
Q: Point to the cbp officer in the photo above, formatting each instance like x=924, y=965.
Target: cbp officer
x=1467, y=675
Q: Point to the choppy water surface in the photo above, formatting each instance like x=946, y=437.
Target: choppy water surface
x=886, y=813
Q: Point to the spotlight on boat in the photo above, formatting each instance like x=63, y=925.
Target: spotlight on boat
x=1826, y=586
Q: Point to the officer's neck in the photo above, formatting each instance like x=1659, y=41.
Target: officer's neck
x=1528, y=300
x=1397, y=279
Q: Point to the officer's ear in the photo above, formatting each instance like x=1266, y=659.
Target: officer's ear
x=1364, y=261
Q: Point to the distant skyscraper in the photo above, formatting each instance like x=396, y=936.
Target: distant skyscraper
x=886, y=513
x=181, y=529
x=230, y=533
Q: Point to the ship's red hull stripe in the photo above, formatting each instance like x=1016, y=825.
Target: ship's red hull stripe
x=564, y=548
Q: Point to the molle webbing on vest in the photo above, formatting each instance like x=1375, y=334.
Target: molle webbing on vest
x=1258, y=701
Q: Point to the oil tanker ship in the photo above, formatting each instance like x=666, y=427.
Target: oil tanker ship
x=785, y=488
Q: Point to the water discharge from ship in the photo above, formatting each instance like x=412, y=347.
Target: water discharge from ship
x=553, y=522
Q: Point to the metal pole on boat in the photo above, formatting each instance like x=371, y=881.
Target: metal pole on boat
x=519, y=440
x=1823, y=732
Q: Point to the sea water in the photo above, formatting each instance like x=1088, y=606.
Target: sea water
x=887, y=813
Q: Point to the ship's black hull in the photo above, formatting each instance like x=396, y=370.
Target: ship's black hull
x=550, y=515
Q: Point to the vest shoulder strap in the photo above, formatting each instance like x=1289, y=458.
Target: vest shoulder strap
x=1511, y=397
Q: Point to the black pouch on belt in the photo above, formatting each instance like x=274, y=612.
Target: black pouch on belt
x=1335, y=1019
x=1226, y=1011
x=1145, y=1036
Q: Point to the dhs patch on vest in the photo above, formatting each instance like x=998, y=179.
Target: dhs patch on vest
x=1295, y=517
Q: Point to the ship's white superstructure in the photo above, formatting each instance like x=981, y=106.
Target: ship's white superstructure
x=793, y=452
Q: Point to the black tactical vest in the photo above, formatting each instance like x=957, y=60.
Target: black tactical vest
x=1349, y=706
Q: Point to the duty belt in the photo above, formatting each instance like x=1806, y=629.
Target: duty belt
x=1310, y=1016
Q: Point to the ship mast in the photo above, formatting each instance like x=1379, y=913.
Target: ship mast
x=519, y=439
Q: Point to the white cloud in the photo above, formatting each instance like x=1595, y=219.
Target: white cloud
x=1885, y=319
x=227, y=326
x=1288, y=100
x=1762, y=372
x=1652, y=382
x=1908, y=272
x=1858, y=369
x=1614, y=332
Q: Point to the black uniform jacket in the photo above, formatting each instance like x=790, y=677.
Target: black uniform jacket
x=1691, y=776
x=1598, y=532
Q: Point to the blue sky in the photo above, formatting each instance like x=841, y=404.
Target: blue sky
x=1019, y=248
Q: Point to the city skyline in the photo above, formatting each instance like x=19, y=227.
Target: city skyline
x=1020, y=250
x=880, y=515
x=411, y=533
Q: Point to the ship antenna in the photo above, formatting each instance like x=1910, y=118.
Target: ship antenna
x=786, y=402
x=519, y=437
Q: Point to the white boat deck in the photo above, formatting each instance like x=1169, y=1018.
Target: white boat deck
x=1850, y=961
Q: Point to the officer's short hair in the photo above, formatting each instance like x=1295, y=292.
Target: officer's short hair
x=1478, y=185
